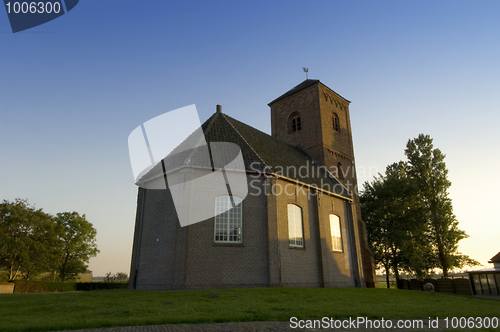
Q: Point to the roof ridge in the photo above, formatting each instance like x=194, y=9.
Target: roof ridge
x=209, y=124
x=193, y=151
x=244, y=140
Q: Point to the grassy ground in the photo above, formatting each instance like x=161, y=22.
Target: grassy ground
x=57, y=311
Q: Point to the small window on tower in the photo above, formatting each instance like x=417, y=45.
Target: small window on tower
x=335, y=121
x=294, y=123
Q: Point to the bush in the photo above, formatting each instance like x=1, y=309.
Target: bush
x=23, y=286
x=118, y=277
x=90, y=286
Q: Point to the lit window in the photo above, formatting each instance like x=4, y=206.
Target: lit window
x=295, y=236
x=228, y=220
x=336, y=233
x=335, y=121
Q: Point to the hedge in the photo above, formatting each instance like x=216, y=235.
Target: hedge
x=90, y=286
x=23, y=286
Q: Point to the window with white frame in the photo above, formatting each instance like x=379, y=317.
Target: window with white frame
x=336, y=233
x=228, y=220
x=295, y=236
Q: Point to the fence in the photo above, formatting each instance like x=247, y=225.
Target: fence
x=455, y=286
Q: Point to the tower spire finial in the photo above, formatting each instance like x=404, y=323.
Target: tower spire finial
x=306, y=70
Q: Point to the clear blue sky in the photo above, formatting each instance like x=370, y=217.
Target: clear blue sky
x=73, y=89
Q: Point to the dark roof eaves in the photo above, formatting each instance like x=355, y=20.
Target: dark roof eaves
x=312, y=82
x=326, y=171
x=311, y=186
x=293, y=91
x=495, y=259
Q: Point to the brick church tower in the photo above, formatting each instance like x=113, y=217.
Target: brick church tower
x=316, y=118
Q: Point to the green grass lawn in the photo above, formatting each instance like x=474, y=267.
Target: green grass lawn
x=58, y=311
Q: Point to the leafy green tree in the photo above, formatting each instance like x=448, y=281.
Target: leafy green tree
x=395, y=223
x=77, y=237
x=42, y=245
x=428, y=170
x=28, y=239
x=12, y=216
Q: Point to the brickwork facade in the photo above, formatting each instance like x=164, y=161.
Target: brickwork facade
x=314, y=118
x=167, y=257
x=315, y=264
x=325, y=135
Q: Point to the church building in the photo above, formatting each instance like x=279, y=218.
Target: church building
x=299, y=225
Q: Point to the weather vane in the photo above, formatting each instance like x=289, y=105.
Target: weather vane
x=306, y=70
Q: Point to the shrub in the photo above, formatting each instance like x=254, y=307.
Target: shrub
x=23, y=286
x=118, y=277
x=4, y=276
x=90, y=286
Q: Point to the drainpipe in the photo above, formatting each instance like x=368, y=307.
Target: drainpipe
x=139, y=237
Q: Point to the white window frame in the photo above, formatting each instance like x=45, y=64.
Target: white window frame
x=227, y=219
x=295, y=226
x=336, y=232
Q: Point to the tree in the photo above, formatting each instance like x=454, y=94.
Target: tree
x=121, y=277
x=41, y=245
x=395, y=223
x=28, y=239
x=78, y=245
x=11, y=244
x=428, y=170
x=118, y=277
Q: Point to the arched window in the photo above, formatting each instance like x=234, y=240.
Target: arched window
x=335, y=122
x=294, y=123
x=340, y=173
x=228, y=220
x=295, y=235
x=336, y=233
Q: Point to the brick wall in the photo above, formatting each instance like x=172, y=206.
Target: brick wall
x=317, y=105
x=336, y=265
x=174, y=257
x=158, y=243
x=214, y=265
